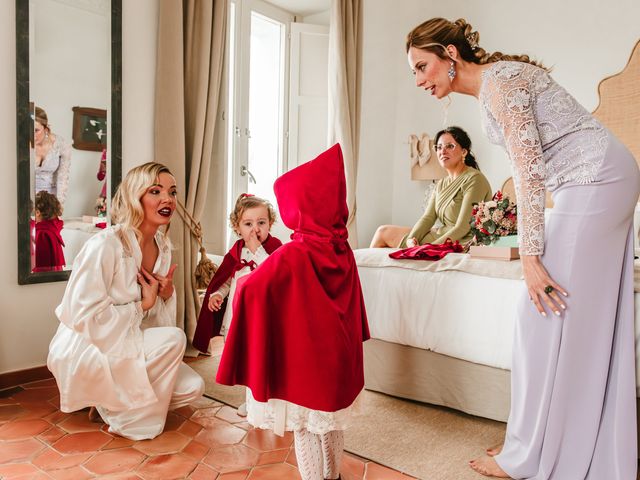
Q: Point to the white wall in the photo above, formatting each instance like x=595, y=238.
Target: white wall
x=320, y=18
x=584, y=42
x=27, y=321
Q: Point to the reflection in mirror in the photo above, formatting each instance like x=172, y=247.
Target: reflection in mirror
x=68, y=82
x=69, y=42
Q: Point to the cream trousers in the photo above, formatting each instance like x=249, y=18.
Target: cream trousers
x=174, y=383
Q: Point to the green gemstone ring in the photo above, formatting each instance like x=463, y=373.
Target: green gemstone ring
x=548, y=289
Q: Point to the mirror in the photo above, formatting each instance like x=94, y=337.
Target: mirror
x=68, y=93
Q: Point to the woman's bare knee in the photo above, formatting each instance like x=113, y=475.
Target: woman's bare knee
x=387, y=236
x=378, y=239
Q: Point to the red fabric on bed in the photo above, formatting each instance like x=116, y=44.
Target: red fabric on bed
x=428, y=251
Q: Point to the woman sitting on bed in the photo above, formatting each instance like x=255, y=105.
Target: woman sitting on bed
x=452, y=199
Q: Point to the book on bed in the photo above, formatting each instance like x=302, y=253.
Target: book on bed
x=494, y=252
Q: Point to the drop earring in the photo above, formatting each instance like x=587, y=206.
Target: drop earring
x=452, y=71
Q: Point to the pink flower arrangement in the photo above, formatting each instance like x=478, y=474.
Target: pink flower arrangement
x=101, y=207
x=493, y=219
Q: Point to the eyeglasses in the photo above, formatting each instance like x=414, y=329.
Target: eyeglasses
x=444, y=146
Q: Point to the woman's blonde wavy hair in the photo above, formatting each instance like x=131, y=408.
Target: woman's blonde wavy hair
x=126, y=208
x=435, y=34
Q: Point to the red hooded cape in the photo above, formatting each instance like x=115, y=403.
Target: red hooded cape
x=49, y=254
x=299, y=320
x=209, y=323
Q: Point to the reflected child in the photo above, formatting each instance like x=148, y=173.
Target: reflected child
x=49, y=254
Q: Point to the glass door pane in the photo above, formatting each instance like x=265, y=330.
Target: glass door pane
x=266, y=104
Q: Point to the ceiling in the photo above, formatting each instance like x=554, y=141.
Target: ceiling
x=302, y=7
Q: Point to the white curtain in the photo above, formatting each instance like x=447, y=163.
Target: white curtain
x=344, y=90
x=189, y=81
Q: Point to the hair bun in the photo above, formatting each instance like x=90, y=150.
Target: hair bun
x=463, y=25
x=461, y=22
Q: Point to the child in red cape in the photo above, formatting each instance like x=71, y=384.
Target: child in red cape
x=299, y=322
x=49, y=254
x=252, y=218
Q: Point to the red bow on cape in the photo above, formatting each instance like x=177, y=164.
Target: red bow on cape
x=209, y=323
x=428, y=251
x=299, y=320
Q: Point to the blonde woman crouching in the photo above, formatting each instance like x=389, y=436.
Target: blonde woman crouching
x=117, y=347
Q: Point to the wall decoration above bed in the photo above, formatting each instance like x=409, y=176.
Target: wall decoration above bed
x=89, y=129
x=424, y=161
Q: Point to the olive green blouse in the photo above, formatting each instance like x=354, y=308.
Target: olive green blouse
x=451, y=203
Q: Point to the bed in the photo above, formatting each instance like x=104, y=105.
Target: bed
x=452, y=347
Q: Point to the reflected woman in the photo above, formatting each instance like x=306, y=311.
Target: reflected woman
x=52, y=158
x=452, y=199
x=117, y=346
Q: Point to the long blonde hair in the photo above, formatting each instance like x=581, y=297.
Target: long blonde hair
x=126, y=208
x=435, y=34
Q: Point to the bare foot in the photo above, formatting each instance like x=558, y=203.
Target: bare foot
x=488, y=467
x=495, y=450
x=94, y=416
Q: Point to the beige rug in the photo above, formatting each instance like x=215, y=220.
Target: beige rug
x=427, y=442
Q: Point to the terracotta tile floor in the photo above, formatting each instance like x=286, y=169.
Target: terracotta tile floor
x=204, y=441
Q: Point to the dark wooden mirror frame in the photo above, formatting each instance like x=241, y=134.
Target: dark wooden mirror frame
x=23, y=124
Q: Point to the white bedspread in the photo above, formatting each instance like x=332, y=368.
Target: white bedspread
x=456, y=306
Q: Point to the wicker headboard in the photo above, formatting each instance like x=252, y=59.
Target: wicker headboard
x=509, y=189
x=619, y=108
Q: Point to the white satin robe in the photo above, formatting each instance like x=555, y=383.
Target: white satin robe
x=107, y=353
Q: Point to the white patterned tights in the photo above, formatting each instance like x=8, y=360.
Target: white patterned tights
x=319, y=456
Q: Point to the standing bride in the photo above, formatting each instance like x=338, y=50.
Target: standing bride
x=573, y=389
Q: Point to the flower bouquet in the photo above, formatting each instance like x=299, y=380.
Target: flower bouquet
x=101, y=206
x=493, y=219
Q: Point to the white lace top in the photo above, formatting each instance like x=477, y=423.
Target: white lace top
x=53, y=174
x=229, y=287
x=549, y=137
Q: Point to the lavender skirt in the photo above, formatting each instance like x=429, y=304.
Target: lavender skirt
x=573, y=383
